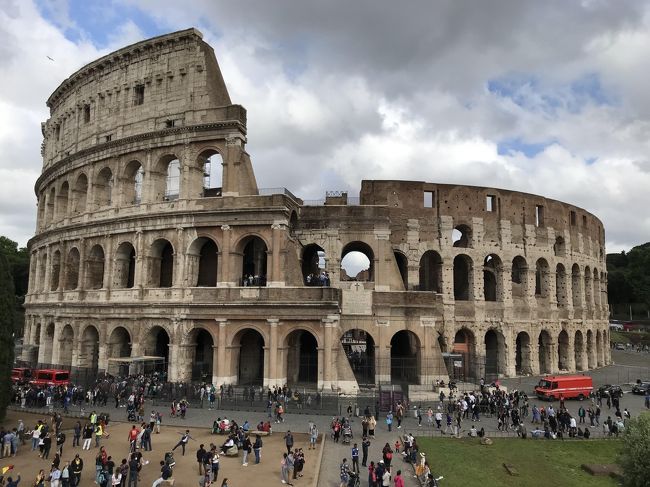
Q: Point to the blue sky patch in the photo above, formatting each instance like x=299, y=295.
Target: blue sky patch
x=508, y=147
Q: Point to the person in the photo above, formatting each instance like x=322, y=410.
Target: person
x=183, y=441
x=288, y=441
x=385, y=478
x=87, y=436
x=225, y=482
x=399, y=481
x=65, y=475
x=134, y=466
x=389, y=421
x=132, y=437
x=200, y=455
x=284, y=469
x=246, y=447
x=313, y=436
x=76, y=434
x=355, y=458
x=214, y=464
x=13, y=483
x=344, y=472
x=365, y=445
x=165, y=473
x=116, y=478
x=55, y=476
x=40, y=479
x=77, y=467
x=99, y=432
x=257, y=448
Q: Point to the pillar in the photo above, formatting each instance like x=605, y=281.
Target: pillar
x=273, y=374
x=571, y=352
x=382, y=352
x=328, y=324
x=56, y=345
x=81, y=282
x=224, y=271
x=179, y=258
x=140, y=278
x=553, y=347
x=277, y=278
x=222, y=374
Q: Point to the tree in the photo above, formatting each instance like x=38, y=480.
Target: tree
x=18, y=259
x=635, y=454
x=7, y=309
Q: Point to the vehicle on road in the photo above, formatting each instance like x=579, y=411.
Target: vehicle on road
x=51, y=377
x=610, y=390
x=21, y=375
x=619, y=346
x=642, y=388
x=554, y=387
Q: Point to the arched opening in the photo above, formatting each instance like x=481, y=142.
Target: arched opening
x=492, y=271
x=588, y=288
x=41, y=211
x=463, y=281
x=357, y=262
x=576, y=292
x=402, y=266
x=202, y=355
x=62, y=201
x=431, y=272
x=519, y=278
x=544, y=350
x=133, y=180
x=72, y=270
x=42, y=269
x=561, y=291
x=302, y=358
x=359, y=348
x=56, y=271
x=49, y=212
x=89, y=349
x=405, y=358
x=80, y=194
x=313, y=266
x=66, y=344
x=579, y=350
x=461, y=236
x=559, y=247
x=119, y=346
x=523, y=359
x=541, y=279
x=95, y=268
x=103, y=188
x=161, y=272
x=495, y=355
x=156, y=344
x=212, y=173
x=591, y=350
x=596, y=292
x=599, y=349
x=202, y=262
x=124, y=266
x=254, y=262
x=173, y=180
x=248, y=357
x=47, y=346
x=465, y=344
x=563, y=350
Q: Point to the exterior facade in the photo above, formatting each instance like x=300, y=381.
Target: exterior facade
x=153, y=240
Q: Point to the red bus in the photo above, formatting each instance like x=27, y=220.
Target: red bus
x=51, y=377
x=554, y=387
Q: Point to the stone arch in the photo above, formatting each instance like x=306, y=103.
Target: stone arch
x=66, y=345
x=591, y=350
x=165, y=178
x=579, y=351
x=542, y=276
x=80, y=194
x=51, y=206
x=431, y=272
x=461, y=236
x=211, y=162
x=465, y=344
x=201, y=354
x=301, y=346
x=523, y=356
x=62, y=201
x=559, y=247
x=357, y=258
x=561, y=286
x=519, y=277
x=248, y=356
x=48, y=346
x=405, y=358
x=103, y=188
x=202, y=262
x=119, y=346
x=156, y=342
x=403, y=267
x=72, y=263
x=576, y=292
x=563, y=350
x=463, y=278
x=492, y=278
x=544, y=352
x=88, y=357
x=161, y=264
x=252, y=253
x=359, y=348
x=56, y=271
x=42, y=269
x=133, y=181
x=124, y=266
x=173, y=180
x=495, y=354
x=95, y=267
x=313, y=266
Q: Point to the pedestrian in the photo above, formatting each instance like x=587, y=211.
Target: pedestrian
x=399, y=481
x=246, y=450
x=99, y=432
x=76, y=434
x=389, y=421
x=288, y=440
x=87, y=436
x=344, y=473
x=355, y=458
x=77, y=467
x=284, y=469
x=185, y=438
x=165, y=473
x=200, y=456
x=257, y=448
x=365, y=445
x=313, y=436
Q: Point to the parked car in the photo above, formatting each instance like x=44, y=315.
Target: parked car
x=619, y=346
x=554, y=387
x=641, y=388
x=610, y=390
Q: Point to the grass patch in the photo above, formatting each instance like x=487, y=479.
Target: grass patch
x=539, y=462
x=633, y=337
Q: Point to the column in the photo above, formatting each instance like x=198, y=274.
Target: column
x=179, y=258
x=273, y=372
x=382, y=352
x=41, y=340
x=45, y=285
x=276, y=279
x=534, y=356
x=224, y=271
x=81, y=282
x=56, y=345
x=327, y=353
x=571, y=352
x=215, y=365
x=108, y=263
x=553, y=347
x=222, y=373
x=140, y=279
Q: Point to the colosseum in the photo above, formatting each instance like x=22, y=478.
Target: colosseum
x=155, y=248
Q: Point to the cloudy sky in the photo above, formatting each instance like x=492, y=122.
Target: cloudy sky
x=547, y=97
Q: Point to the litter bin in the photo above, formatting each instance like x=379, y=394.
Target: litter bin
x=415, y=411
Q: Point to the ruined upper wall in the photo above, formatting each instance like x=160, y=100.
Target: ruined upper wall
x=168, y=81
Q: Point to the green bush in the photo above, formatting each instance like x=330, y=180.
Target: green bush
x=635, y=454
